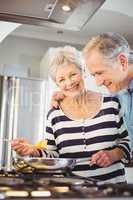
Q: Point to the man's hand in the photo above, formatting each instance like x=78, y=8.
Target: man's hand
x=57, y=96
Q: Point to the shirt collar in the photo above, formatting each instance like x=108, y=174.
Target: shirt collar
x=131, y=85
x=123, y=91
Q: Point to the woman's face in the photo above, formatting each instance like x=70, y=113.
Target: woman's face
x=69, y=80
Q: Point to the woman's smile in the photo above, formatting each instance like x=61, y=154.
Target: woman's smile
x=74, y=87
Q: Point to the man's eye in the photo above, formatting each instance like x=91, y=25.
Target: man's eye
x=102, y=72
x=98, y=73
x=93, y=75
x=61, y=80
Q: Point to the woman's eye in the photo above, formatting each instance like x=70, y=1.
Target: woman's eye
x=73, y=74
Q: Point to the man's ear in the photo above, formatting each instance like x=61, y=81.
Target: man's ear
x=123, y=61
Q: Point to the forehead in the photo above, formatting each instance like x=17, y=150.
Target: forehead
x=96, y=62
x=66, y=69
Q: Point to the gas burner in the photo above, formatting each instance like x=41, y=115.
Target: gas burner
x=61, y=181
x=38, y=185
x=9, y=181
x=49, y=172
x=13, y=173
x=117, y=190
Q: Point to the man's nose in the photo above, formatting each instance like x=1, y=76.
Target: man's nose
x=99, y=80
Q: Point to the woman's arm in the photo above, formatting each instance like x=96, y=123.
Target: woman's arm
x=52, y=150
x=24, y=148
x=121, y=151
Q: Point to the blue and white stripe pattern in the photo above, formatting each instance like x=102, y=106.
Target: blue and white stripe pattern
x=69, y=138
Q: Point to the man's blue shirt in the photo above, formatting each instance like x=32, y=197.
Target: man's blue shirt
x=126, y=100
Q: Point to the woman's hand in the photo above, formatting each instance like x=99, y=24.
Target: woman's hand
x=57, y=96
x=105, y=158
x=24, y=148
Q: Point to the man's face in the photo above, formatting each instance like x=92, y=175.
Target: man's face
x=105, y=73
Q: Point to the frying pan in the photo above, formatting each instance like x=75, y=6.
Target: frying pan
x=53, y=163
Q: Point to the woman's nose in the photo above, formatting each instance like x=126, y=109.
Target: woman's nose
x=99, y=80
x=69, y=82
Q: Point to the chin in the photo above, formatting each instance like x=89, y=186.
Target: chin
x=74, y=94
x=113, y=90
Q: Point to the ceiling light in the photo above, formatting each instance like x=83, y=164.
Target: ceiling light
x=66, y=8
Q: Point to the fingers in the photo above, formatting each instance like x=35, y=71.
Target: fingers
x=57, y=96
x=22, y=147
x=102, y=158
x=103, y=161
x=22, y=151
x=54, y=104
x=18, y=141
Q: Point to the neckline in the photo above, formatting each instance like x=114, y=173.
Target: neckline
x=88, y=118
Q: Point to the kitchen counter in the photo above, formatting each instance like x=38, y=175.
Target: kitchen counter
x=129, y=174
x=39, y=185
x=111, y=198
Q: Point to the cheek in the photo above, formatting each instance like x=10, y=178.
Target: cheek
x=116, y=77
x=78, y=78
x=108, y=75
x=60, y=86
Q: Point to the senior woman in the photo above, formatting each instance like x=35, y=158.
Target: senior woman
x=85, y=125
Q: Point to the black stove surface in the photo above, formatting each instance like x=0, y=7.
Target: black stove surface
x=17, y=185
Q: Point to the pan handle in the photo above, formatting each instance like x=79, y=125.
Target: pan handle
x=80, y=160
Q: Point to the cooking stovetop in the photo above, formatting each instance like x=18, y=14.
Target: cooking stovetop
x=18, y=185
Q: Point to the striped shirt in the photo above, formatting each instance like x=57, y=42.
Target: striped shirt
x=69, y=138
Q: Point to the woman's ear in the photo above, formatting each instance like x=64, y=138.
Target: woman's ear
x=123, y=61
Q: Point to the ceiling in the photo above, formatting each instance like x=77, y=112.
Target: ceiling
x=114, y=15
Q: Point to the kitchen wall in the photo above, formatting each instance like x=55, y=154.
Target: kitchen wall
x=26, y=52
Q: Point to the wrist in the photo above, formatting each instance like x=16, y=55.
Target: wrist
x=117, y=154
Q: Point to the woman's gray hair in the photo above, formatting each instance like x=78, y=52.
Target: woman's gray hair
x=64, y=56
x=109, y=44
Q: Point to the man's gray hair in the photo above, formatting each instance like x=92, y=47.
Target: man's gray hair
x=109, y=44
x=64, y=56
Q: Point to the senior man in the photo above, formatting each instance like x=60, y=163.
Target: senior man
x=109, y=59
